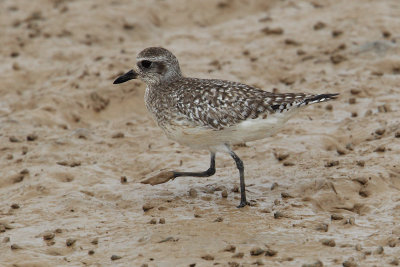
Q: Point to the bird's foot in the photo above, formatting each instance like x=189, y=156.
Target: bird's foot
x=243, y=203
x=160, y=178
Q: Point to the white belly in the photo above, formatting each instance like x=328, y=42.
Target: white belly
x=215, y=140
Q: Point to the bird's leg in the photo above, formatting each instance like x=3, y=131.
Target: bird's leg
x=207, y=173
x=239, y=165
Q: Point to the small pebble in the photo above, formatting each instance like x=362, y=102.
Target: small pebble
x=230, y=248
x=318, y=263
x=258, y=262
x=336, y=59
x=146, y=265
x=233, y=264
x=392, y=242
x=352, y=101
x=207, y=257
x=329, y=107
x=192, y=192
x=70, y=241
x=95, y=241
x=6, y=239
x=286, y=195
x=336, y=33
x=147, y=207
x=397, y=134
x=328, y=242
x=380, y=131
x=14, y=139
x=161, y=221
x=224, y=193
x=272, y=31
x=336, y=217
x=256, y=251
x=124, y=180
x=350, y=263
x=332, y=163
x=380, y=149
x=386, y=34
x=279, y=214
x=153, y=221
x=91, y=252
x=219, y=219
x=358, y=247
x=322, y=227
x=48, y=235
x=238, y=255
x=32, y=137
x=118, y=135
x=115, y=257
x=319, y=25
x=274, y=186
x=394, y=262
x=364, y=192
x=360, y=163
x=270, y=252
x=351, y=221
x=15, y=206
x=15, y=246
x=379, y=250
x=2, y=228
x=235, y=189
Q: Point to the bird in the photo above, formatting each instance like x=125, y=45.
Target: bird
x=210, y=114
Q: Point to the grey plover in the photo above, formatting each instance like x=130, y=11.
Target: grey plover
x=208, y=113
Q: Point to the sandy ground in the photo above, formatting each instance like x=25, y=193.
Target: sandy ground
x=68, y=135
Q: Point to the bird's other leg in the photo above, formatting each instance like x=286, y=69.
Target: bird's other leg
x=239, y=165
x=207, y=173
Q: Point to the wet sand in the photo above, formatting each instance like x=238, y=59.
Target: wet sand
x=74, y=147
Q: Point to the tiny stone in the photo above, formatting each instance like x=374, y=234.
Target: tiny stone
x=91, y=252
x=392, y=242
x=2, y=228
x=351, y=221
x=354, y=114
x=118, y=135
x=259, y=262
x=70, y=241
x=224, y=193
x=386, y=34
x=32, y=137
x=115, y=257
x=272, y=31
x=341, y=151
x=48, y=235
x=153, y=221
x=319, y=25
x=6, y=239
x=336, y=33
x=379, y=250
x=24, y=171
x=207, y=257
x=329, y=107
x=352, y=101
x=332, y=163
x=380, y=149
x=147, y=207
x=336, y=217
x=318, y=263
x=95, y=241
x=288, y=163
x=15, y=246
x=364, y=192
x=192, y=192
x=350, y=263
x=161, y=221
x=256, y=251
x=274, y=186
x=281, y=155
x=146, y=265
x=238, y=255
x=322, y=227
x=358, y=247
x=235, y=189
x=397, y=134
x=380, y=131
x=124, y=180
x=394, y=262
x=291, y=42
x=328, y=242
x=14, y=139
x=336, y=59
x=355, y=91
x=15, y=206
x=361, y=163
x=279, y=214
x=219, y=219
x=233, y=264
x=230, y=248
x=286, y=195
x=270, y=252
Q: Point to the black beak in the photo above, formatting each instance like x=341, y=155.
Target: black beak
x=126, y=77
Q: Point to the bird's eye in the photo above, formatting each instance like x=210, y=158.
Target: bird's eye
x=146, y=64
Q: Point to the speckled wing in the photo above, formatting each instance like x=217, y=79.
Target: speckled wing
x=218, y=104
